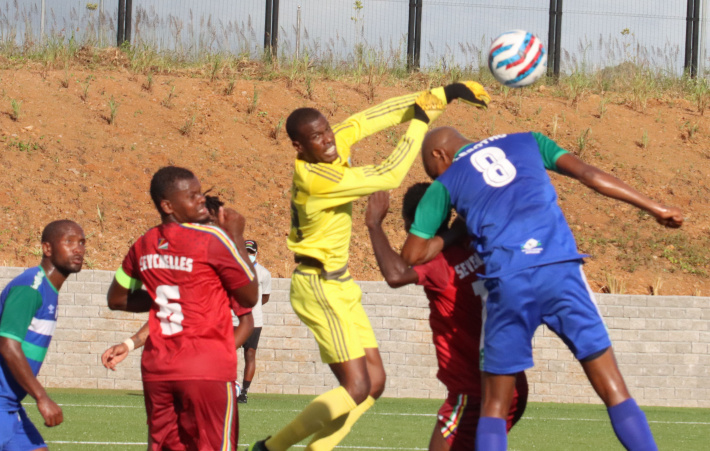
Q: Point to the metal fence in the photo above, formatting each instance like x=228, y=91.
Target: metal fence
x=453, y=32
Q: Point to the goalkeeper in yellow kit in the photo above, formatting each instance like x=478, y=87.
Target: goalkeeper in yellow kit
x=323, y=294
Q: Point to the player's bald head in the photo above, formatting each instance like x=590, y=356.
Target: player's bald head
x=55, y=230
x=439, y=148
x=298, y=118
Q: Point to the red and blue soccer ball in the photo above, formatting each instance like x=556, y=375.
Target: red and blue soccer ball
x=517, y=58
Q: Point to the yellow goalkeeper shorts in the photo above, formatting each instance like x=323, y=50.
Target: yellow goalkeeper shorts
x=332, y=310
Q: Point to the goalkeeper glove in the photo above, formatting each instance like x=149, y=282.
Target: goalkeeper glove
x=427, y=107
x=468, y=91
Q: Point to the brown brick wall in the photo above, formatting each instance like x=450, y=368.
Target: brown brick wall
x=661, y=344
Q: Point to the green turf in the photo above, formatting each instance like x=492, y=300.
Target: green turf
x=115, y=420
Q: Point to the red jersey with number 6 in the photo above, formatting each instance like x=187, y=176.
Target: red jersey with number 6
x=454, y=294
x=187, y=269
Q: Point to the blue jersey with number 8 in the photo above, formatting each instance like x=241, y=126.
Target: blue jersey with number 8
x=501, y=187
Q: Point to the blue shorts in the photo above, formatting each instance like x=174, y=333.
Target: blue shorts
x=17, y=433
x=556, y=295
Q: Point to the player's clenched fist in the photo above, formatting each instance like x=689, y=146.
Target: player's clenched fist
x=669, y=217
x=469, y=92
x=377, y=206
x=231, y=222
x=50, y=411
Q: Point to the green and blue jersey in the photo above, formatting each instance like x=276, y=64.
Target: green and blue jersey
x=501, y=188
x=28, y=314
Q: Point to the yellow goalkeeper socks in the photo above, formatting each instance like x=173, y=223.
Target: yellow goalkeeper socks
x=319, y=413
x=328, y=437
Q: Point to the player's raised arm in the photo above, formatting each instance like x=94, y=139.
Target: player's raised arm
x=337, y=185
x=394, y=269
x=231, y=260
x=611, y=186
x=400, y=109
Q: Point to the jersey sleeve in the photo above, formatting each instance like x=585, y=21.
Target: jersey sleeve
x=549, y=150
x=433, y=274
x=20, y=307
x=337, y=185
x=237, y=308
x=228, y=263
x=379, y=117
x=127, y=281
x=431, y=211
x=128, y=275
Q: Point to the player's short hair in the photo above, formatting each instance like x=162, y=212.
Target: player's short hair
x=212, y=203
x=163, y=182
x=55, y=229
x=299, y=117
x=411, y=200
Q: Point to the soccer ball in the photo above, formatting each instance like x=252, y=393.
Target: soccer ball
x=517, y=58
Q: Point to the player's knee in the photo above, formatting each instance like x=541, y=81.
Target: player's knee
x=358, y=389
x=250, y=355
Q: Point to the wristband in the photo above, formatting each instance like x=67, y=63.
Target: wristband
x=454, y=91
x=131, y=345
x=420, y=114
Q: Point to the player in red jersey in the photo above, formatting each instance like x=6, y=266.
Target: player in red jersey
x=242, y=331
x=455, y=295
x=189, y=271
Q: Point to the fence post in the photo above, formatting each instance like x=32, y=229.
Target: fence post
x=100, y=31
x=410, y=35
x=275, y=29
x=551, y=38
x=128, y=22
x=703, y=34
x=121, y=21
x=418, y=34
x=554, y=33
x=267, y=25
x=558, y=38
x=298, y=33
x=414, y=30
x=125, y=11
x=691, y=38
x=41, y=24
x=696, y=35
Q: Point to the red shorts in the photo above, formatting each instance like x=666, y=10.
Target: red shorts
x=191, y=415
x=458, y=416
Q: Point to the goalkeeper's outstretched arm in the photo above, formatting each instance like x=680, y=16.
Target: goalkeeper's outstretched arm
x=343, y=184
x=400, y=109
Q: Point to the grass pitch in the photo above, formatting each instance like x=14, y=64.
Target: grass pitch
x=115, y=420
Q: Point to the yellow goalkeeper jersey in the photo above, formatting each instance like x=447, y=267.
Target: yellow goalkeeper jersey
x=322, y=193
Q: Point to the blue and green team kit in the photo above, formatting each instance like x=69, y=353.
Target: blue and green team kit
x=534, y=273
x=501, y=188
x=28, y=314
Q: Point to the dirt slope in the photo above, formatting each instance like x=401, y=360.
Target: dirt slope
x=62, y=158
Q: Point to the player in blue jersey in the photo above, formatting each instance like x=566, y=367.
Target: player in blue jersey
x=534, y=273
x=28, y=317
